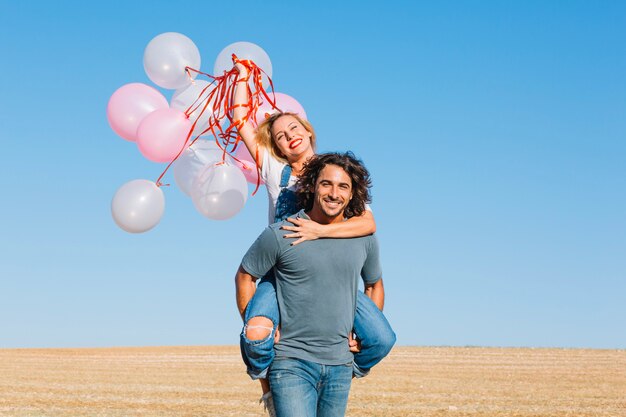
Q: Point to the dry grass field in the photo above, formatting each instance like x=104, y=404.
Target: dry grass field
x=412, y=381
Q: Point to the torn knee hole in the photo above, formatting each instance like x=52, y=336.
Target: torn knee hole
x=259, y=328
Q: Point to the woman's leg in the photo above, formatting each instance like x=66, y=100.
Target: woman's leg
x=373, y=330
x=257, y=337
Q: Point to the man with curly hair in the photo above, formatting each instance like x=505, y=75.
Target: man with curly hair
x=317, y=284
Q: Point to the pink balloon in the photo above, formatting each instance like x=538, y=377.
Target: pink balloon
x=284, y=102
x=162, y=134
x=246, y=164
x=128, y=106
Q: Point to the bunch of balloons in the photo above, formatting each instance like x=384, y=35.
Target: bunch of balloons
x=193, y=132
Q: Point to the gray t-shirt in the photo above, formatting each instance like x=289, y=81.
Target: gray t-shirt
x=316, y=283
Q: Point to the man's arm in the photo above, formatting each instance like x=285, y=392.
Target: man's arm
x=245, y=289
x=259, y=259
x=376, y=292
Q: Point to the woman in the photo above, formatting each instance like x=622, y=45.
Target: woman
x=283, y=143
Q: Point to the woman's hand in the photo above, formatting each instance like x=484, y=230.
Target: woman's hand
x=243, y=71
x=354, y=344
x=303, y=229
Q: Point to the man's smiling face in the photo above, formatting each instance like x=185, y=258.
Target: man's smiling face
x=333, y=191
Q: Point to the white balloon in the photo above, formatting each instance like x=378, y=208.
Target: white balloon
x=220, y=191
x=193, y=160
x=166, y=57
x=244, y=50
x=138, y=206
x=192, y=94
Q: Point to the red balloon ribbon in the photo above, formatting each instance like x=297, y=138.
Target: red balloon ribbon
x=220, y=93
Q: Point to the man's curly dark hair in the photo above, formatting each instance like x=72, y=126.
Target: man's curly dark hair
x=361, y=182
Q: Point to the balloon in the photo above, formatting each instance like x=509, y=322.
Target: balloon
x=138, y=206
x=192, y=95
x=245, y=162
x=243, y=50
x=162, y=134
x=193, y=160
x=128, y=106
x=166, y=57
x=220, y=191
x=283, y=102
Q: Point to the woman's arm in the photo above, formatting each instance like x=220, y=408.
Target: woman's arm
x=240, y=102
x=305, y=229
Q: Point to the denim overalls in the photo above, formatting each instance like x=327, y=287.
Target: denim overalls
x=286, y=201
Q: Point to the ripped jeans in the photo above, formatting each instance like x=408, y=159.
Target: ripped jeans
x=370, y=327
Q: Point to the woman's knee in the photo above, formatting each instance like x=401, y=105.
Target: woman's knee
x=381, y=341
x=258, y=328
x=388, y=340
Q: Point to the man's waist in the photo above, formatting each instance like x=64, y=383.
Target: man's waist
x=335, y=354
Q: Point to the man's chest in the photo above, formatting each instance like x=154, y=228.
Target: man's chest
x=323, y=259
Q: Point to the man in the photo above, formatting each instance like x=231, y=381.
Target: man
x=317, y=284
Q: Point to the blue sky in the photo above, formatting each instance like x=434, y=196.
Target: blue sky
x=494, y=131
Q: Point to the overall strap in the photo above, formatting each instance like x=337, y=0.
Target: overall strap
x=284, y=176
x=286, y=201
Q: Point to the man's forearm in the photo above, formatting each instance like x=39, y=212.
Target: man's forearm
x=245, y=288
x=376, y=292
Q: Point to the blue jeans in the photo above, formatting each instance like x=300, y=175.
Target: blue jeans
x=308, y=389
x=370, y=326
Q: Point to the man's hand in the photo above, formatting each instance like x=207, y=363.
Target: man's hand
x=304, y=229
x=355, y=344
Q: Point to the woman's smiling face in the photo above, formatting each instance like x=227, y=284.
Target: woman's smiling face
x=291, y=137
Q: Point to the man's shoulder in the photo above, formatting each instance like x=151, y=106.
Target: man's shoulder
x=275, y=232
x=277, y=226
x=369, y=243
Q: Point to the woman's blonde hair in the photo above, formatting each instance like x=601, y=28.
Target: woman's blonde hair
x=264, y=134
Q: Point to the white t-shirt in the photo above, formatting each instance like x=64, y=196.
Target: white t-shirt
x=271, y=172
